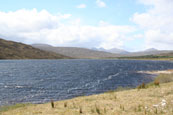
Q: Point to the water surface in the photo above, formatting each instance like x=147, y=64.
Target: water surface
x=39, y=81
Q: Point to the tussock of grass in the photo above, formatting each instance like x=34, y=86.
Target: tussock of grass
x=161, y=78
x=164, y=78
x=80, y=110
x=65, y=104
x=52, y=104
x=98, y=110
x=142, y=86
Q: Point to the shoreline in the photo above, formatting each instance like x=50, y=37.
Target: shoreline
x=145, y=101
x=116, y=102
x=157, y=72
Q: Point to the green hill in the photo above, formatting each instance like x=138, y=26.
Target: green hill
x=15, y=50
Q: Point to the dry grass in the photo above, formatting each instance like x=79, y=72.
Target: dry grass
x=165, y=78
x=162, y=78
x=153, y=100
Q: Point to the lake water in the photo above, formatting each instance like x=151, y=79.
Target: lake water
x=39, y=81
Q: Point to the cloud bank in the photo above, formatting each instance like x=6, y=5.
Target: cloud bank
x=157, y=23
x=32, y=26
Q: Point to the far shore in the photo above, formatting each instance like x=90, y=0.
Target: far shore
x=169, y=71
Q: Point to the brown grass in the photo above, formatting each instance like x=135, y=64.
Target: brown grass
x=157, y=83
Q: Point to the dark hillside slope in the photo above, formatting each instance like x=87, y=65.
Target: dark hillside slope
x=15, y=50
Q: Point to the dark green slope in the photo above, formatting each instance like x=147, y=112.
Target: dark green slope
x=15, y=50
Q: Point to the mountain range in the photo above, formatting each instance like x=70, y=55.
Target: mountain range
x=150, y=51
x=113, y=50
x=76, y=52
x=16, y=50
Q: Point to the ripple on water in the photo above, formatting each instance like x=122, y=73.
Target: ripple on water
x=39, y=81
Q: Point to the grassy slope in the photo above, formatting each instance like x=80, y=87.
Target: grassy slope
x=131, y=102
x=15, y=50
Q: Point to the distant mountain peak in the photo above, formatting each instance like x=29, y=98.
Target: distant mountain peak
x=151, y=49
x=99, y=49
x=118, y=51
x=113, y=50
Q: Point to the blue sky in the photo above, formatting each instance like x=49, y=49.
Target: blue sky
x=126, y=24
x=116, y=11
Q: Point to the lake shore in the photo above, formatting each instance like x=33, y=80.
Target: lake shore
x=170, y=71
x=150, y=100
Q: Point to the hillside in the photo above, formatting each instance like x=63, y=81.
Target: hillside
x=145, y=53
x=15, y=50
x=75, y=52
x=150, y=51
x=113, y=50
x=170, y=54
x=161, y=56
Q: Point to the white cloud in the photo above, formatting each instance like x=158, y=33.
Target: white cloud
x=100, y=3
x=157, y=23
x=81, y=6
x=32, y=26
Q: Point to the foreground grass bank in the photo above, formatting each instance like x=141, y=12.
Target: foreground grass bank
x=147, y=101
